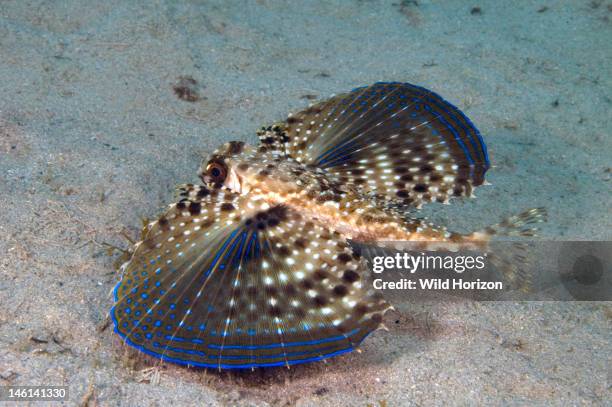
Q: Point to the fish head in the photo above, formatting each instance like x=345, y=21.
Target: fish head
x=236, y=166
x=242, y=168
x=219, y=169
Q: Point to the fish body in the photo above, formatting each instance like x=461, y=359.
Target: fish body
x=272, y=179
x=255, y=268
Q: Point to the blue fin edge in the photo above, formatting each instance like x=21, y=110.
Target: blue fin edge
x=217, y=365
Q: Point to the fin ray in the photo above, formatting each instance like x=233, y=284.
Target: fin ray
x=401, y=142
x=513, y=261
x=221, y=280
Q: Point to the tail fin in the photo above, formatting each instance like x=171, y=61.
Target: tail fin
x=517, y=225
x=513, y=261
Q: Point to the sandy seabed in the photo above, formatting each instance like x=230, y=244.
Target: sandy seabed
x=105, y=106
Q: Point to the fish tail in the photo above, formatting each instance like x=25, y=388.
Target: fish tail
x=513, y=263
x=514, y=259
x=513, y=226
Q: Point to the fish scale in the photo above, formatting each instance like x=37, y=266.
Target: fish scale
x=254, y=267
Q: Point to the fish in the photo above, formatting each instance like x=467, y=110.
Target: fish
x=255, y=267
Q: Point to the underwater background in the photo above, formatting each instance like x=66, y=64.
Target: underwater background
x=106, y=106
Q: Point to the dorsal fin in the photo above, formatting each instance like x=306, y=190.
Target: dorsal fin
x=397, y=141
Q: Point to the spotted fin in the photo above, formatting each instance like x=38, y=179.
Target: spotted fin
x=514, y=261
x=397, y=141
x=223, y=281
x=522, y=224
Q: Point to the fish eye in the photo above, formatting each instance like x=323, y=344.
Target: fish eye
x=216, y=172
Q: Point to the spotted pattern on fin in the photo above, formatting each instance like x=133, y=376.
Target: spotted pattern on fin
x=400, y=142
x=223, y=280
